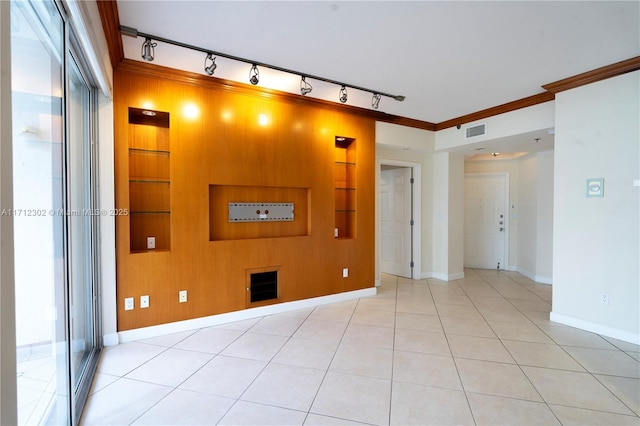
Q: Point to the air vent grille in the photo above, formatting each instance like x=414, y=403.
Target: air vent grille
x=264, y=286
x=475, y=131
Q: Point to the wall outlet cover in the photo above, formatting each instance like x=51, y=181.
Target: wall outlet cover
x=128, y=303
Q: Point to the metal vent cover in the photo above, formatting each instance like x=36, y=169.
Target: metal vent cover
x=479, y=130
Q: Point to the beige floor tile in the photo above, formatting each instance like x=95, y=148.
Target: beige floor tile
x=331, y=313
x=210, y=340
x=414, y=305
x=424, y=405
x=224, y=376
x=125, y=357
x=634, y=355
x=450, y=289
x=171, y=367
x=570, y=416
x=483, y=290
x=425, y=369
x=451, y=299
x=363, y=361
x=285, y=386
x=602, y=361
x=531, y=305
x=495, y=411
x=368, y=335
x=458, y=311
x=418, y=322
x=355, y=398
x=306, y=353
x=526, y=332
x=479, y=348
x=373, y=317
x=626, y=389
x=574, y=389
x=541, y=355
x=249, y=413
x=540, y=318
x=467, y=327
x=257, y=346
x=622, y=345
x=243, y=325
x=503, y=315
x=377, y=304
x=327, y=331
x=167, y=340
x=569, y=336
x=277, y=325
x=186, y=408
x=298, y=313
x=492, y=378
x=318, y=420
x=421, y=341
x=122, y=402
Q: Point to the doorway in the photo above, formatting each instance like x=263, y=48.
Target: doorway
x=486, y=222
x=399, y=214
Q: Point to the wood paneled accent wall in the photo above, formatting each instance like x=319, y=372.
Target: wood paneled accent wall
x=219, y=143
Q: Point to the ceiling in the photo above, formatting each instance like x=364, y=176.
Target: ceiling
x=449, y=58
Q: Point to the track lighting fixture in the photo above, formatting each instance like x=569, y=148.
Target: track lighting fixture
x=147, y=53
x=305, y=87
x=495, y=154
x=375, y=101
x=254, y=75
x=147, y=50
x=343, y=94
x=209, y=69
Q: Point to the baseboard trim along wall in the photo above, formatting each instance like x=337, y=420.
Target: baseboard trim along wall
x=209, y=321
x=603, y=330
x=444, y=277
x=534, y=277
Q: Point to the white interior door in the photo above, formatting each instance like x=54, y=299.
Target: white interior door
x=395, y=221
x=485, y=221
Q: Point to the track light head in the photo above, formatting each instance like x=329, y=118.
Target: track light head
x=399, y=98
x=305, y=87
x=375, y=100
x=148, y=51
x=209, y=69
x=254, y=75
x=343, y=94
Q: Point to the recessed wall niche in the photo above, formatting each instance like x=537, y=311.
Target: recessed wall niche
x=345, y=187
x=149, y=180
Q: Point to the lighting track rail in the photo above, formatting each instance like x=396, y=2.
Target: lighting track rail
x=148, y=55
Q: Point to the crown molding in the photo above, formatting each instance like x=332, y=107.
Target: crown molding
x=496, y=110
x=593, y=76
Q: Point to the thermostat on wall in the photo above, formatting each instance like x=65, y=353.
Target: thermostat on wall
x=595, y=187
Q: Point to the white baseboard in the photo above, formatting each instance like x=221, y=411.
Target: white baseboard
x=110, y=339
x=196, y=323
x=625, y=336
x=534, y=277
x=444, y=277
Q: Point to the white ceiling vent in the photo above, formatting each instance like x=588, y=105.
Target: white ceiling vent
x=474, y=131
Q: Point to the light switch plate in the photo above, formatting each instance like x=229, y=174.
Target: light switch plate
x=151, y=243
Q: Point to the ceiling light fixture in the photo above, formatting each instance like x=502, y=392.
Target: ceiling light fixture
x=375, y=101
x=343, y=94
x=148, y=50
x=147, y=53
x=495, y=154
x=537, y=140
x=209, y=69
x=254, y=75
x=305, y=87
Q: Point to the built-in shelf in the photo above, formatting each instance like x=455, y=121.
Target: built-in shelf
x=149, y=180
x=345, y=188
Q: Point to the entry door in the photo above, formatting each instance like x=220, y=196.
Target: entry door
x=485, y=221
x=395, y=221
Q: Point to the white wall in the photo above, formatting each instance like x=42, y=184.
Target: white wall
x=527, y=216
x=390, y=139
x=544, y=248
x=596, y=240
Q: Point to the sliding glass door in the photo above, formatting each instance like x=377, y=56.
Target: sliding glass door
x=53, y=108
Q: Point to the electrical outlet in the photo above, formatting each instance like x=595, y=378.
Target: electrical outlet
x=144, y=301
x=151, y=243
x=345, y=272
x=182, y=296
x=604, y=298
x=128, y=303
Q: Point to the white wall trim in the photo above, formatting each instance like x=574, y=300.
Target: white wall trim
x=534, y=277
x=196, y=323
x=447, y=277
x=625, y=336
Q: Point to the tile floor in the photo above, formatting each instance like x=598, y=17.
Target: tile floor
x=480, y=350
